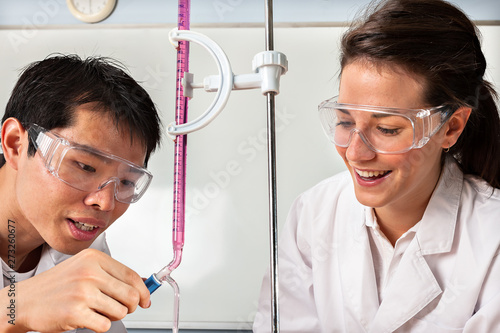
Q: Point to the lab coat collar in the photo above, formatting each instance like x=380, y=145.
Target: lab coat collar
x=411, y=289
x=414, y=285
x=436, y=235
x=49, y=259
x=44, y=264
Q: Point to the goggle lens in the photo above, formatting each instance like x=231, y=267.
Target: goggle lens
x=384, y=130
x=88, y=169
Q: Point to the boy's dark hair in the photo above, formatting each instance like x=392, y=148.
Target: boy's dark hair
x=48, y=92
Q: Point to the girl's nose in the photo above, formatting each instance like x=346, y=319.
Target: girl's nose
x=358, y=149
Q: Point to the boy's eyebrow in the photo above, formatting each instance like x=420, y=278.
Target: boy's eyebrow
x=102, y=156
x=92, y=152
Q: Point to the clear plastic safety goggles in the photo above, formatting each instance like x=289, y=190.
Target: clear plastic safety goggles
x=89, y=169
x=384, y=130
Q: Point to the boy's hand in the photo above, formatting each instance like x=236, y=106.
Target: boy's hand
x=89, y=290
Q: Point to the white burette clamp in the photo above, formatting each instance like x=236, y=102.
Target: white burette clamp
x=268, y=66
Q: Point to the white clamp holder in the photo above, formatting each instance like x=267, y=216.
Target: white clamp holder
x=268, y=66
x=225, y=83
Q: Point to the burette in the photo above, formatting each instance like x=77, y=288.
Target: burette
x=268, y=66
x=179, y=194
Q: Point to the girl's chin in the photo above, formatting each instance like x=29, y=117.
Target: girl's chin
x=373, y=195
x=370, y=200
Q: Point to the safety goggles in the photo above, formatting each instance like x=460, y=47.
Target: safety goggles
x=89, y=169
x=384, y=130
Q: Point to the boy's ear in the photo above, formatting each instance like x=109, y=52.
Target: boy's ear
x=12, y=141
x=455, y=126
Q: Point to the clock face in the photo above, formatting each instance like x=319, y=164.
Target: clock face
x=91, y=11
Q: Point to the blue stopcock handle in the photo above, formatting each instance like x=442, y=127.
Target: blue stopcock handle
x=152, y=283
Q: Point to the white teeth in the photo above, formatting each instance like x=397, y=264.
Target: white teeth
x=368, y=174
x=83, y=226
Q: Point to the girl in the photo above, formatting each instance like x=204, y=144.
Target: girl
x=408, y=239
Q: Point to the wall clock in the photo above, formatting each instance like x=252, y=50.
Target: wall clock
x=91, y=11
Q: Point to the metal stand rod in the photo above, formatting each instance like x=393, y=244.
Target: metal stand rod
x=273, y=215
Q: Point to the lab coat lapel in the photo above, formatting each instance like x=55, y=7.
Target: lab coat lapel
x=414, y=285
x=356, y=272
x=411, y=289
x=46, y=261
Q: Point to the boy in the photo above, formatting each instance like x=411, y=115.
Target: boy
x=76, y=138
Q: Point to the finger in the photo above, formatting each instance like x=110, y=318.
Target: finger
x=92, y=298
x=85, y=318
x=110, y=307
x=131, y=278
x=124, y=274
x=95, y=321
x=122, y=292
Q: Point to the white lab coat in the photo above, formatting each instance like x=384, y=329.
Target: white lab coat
x=51, y=257
x=448, y=279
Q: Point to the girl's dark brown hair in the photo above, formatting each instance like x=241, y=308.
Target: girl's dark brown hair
x=438, y=42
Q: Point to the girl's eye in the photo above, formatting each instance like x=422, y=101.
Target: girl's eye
x=345, y=124
x=388, y=131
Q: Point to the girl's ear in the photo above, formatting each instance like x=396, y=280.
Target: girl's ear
x=455, y=126
x=12, y=141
